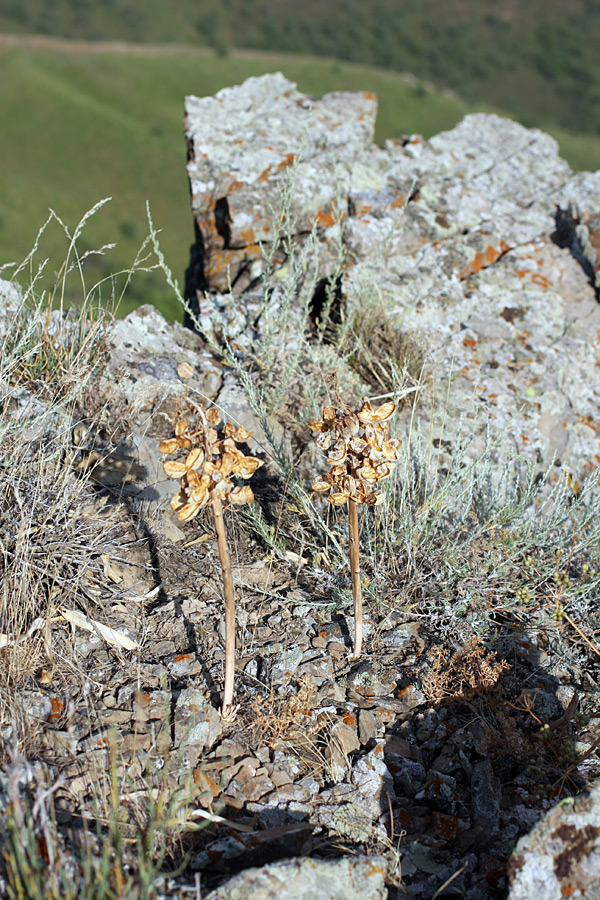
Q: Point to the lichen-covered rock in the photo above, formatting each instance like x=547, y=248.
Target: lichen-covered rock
x=244, y=142
x=348, y=878
x=480, y=244
x=560, y=857
x=197, y=723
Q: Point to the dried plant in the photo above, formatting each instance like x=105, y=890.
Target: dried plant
x=471, y=671
x=212, y=460
x=361, y=454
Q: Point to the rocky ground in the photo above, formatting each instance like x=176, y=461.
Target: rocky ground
x=456, y=276
x=432, y=754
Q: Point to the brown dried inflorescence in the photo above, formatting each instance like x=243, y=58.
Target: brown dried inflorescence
x=212, y=460
x=359, y=451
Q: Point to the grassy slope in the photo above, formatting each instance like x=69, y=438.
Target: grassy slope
x=82, y=122
x=537, y=59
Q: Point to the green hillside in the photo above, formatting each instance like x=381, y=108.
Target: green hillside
x=81, y=122
x=539, y=59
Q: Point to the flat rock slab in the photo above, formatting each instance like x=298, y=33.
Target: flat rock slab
x=349, y=878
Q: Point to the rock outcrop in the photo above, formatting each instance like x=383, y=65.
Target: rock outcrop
x=480, y=244
x=479, y=248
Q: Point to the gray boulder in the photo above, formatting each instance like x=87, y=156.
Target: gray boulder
x=348, y=878
x=560, y=857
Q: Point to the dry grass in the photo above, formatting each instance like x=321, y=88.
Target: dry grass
x=379, y=351
x=283, y=721
x=466, y=674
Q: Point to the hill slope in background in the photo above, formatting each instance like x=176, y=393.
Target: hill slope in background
x=538, y=60
x=81, y=122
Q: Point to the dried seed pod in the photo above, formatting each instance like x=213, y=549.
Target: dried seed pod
x=337, y=453
x=247, y=466
x=324, y=441
x=184, y=371
x=358, y=449
x=383, y=413
x=171, y=445
x=320, y=484
x=358, y=445
x=239, y=434
x=195, y=458
x=174, y=469
x=339, y=498
x=241, y=495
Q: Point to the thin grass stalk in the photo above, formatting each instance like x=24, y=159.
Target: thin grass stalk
x=355, y=571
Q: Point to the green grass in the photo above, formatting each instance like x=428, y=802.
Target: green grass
x=83, y=122
x=537, y=59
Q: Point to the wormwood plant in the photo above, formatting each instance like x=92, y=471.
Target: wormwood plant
x=361, y=454
x=52, y=353
x=211, y=463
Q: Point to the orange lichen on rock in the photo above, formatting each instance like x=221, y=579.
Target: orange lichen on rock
x=286, y=162
x=484, y=259
x=327, y=218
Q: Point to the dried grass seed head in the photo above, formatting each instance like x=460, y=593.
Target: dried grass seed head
x=210, y=463
x=358, y=449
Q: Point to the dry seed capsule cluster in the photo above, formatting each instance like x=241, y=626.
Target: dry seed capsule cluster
x=359, y=451
x=212, y=460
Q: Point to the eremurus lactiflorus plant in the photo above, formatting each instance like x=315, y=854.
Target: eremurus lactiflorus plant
x=207, y=474
x=360, y=453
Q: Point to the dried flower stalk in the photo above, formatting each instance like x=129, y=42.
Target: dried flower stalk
x=360, y=454
x=211, y=462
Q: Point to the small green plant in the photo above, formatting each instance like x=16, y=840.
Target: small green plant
x=211, y=463
x=361, y=454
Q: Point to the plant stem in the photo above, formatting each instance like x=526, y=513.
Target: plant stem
x=355, y=570
x=217, y=508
